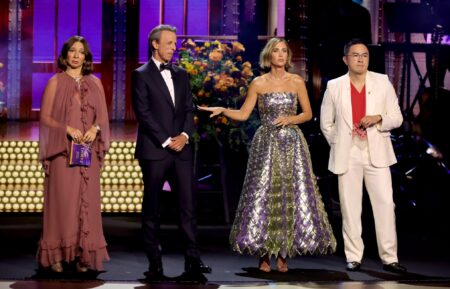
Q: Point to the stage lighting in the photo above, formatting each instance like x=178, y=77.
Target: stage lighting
x=22, y=178
x=115, y=208
x=434, y=152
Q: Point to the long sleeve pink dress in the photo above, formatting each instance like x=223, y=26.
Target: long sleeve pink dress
x=72, y=222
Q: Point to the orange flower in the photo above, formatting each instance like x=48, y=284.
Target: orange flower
x=190, y=43
x=195, y=120
x=216, y=55
x=237, y=47
x=247, y=64
x=247, y=72
x=238, y=58
x=228, y=63
x=222, y=120
x=192, y=71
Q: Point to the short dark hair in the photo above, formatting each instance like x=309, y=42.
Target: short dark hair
x=88, y=66
x=352, y=42
x=155, y=34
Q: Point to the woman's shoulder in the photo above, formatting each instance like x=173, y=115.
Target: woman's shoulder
x=296, y=78
x=259, y=81
x=53, y=81
x=94, y=78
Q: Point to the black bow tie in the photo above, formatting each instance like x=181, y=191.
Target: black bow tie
x=163, y=66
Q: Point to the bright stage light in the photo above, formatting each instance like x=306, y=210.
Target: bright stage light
x=22, y=178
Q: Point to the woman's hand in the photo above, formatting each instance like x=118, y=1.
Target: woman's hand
x=75, y=134
x=216, y=110
x=90, y=135
x=282, y=121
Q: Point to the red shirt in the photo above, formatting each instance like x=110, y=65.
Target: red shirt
x=358, y=103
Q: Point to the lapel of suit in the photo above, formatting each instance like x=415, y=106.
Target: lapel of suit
x=347, y=101
x=160, y=83
x=370, y=101
x=176, y=85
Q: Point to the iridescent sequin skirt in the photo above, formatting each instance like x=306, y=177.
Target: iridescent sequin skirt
x=280, y=211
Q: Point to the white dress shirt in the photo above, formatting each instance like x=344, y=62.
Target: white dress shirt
x=167, y=76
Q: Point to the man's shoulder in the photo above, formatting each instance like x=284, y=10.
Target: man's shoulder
x=144, y=67
x=378, y=78
x=178, y=69
x=376, y=74
x=337, y=80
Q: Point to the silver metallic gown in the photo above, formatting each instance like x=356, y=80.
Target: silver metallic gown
x=280, y=211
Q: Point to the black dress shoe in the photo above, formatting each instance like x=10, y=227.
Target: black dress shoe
x=353, y=266
x=195, y=265
x=394, y=268
x=155, y=271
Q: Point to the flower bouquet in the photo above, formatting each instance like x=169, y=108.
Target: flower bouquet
x=219, y=77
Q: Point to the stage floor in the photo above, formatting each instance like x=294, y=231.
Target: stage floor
x=423, y=234
x=426, y=257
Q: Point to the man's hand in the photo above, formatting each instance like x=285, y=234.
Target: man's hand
x=369, y=120
x=178, y=142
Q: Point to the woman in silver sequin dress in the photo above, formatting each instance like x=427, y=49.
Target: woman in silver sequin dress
x=280, y=211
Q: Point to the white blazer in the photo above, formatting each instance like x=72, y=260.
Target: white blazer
x=336, y=120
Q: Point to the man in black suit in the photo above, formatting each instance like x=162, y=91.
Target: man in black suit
x=162, y=102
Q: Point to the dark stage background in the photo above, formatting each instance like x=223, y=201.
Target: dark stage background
x=31, y=35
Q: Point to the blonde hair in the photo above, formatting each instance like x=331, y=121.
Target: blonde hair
x=265, y=58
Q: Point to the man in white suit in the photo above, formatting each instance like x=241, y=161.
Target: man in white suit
x=358, y=111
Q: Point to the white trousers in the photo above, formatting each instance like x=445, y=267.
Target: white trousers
x=378, y=183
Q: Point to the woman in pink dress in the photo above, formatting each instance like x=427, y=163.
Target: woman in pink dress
x=73, y=109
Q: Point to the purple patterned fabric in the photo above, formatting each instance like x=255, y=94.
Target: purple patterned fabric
x=281, y=210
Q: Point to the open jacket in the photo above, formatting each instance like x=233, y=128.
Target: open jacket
x=336, y=120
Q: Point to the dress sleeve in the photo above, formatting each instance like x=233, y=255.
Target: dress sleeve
x=101, y=119
x=52, y=127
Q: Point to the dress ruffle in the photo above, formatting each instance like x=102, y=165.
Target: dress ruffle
x=69, y=250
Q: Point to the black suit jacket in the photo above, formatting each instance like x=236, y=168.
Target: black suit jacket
x=156, y=114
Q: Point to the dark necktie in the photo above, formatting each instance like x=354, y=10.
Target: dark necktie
x=163, y=66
